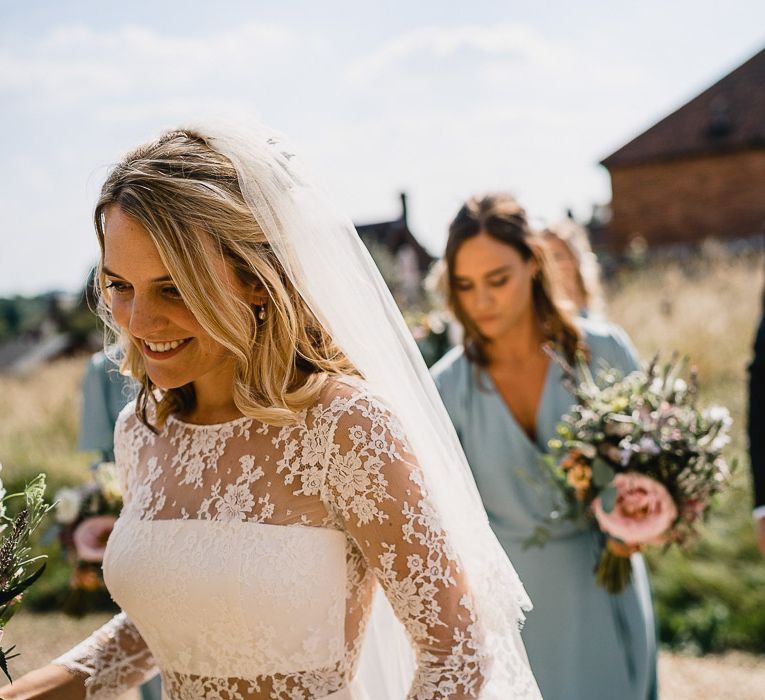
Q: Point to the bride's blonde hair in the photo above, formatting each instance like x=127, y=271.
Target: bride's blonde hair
x=187, y=197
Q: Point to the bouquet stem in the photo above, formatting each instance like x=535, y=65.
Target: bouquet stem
x=614, y=570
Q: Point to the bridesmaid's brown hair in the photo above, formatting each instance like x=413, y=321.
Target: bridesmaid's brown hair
x=501, y=217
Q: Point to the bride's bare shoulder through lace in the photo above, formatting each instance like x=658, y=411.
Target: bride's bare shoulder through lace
x=247, y=556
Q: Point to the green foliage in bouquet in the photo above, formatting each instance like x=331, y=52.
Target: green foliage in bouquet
x=19, y=568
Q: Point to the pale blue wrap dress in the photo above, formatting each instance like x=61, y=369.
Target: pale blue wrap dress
x=583, y=644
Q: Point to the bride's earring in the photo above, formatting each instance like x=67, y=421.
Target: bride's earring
x=262, y=312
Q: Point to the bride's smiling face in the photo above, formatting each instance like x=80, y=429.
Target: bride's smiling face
x=146, y=304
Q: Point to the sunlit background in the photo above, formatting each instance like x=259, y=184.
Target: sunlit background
x=436, y=99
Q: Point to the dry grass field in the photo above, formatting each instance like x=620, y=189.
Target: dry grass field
x=705, y=307
x=40, y=414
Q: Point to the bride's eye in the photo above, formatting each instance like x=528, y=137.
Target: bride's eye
x=117, y=287
x=171, y=292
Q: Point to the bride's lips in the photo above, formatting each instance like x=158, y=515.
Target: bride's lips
x=154, y=355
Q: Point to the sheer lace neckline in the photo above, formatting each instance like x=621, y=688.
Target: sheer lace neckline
x=202, y=426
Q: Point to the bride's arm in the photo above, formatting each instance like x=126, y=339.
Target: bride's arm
x=109, y=662
x=375, y=488
x=51, y=682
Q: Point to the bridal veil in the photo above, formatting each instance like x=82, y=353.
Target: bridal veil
x=328, y=264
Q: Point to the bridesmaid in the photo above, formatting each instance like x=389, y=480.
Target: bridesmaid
x=505, y=398
x=577, y=267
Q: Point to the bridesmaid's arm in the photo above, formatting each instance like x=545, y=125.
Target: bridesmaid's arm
x=616, y=348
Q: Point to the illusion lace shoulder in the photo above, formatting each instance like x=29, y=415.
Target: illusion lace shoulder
x=246, y=557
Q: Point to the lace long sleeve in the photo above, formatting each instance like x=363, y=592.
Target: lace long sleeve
x=375, y=490
x=112, y=660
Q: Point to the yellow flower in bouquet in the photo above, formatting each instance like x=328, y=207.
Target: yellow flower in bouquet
x=579, y=477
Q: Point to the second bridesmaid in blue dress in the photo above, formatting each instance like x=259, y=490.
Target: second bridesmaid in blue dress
x=505, y=398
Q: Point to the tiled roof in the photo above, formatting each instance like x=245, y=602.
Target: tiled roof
x=728, y=116
x=394, y=234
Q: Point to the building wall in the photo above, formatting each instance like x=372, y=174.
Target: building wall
x=684, y=201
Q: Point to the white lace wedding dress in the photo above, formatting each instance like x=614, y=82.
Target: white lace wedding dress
x=246, y=558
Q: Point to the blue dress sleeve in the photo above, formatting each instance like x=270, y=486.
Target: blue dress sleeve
x=609, y=344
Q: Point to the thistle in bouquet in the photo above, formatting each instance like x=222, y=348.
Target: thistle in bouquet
x=637, y=456
x=85, y=516
x=19, y=569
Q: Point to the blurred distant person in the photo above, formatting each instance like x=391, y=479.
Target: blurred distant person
x=105, y=392
x=505, y=397
x=757, y=429
x=577, y=265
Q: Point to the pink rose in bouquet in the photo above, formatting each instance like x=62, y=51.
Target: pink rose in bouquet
x=644, y=511
x=90, y=537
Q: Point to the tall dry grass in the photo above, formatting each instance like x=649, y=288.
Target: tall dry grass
x=706, y=307
x=711, y=597
x=39, y=416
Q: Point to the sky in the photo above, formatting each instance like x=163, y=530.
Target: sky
x=438, y=99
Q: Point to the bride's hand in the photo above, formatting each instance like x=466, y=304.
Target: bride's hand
x=51, y=682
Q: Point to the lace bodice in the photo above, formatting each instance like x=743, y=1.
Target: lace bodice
x=247, y=555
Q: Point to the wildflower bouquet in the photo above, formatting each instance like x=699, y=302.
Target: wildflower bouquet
x=639, y=458
x=85, y=517
x=18, y=568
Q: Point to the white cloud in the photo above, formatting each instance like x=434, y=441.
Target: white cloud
x=75, y=97
x=75, y=62
x=514, y=41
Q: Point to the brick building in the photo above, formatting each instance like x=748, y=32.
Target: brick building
x=699, y=172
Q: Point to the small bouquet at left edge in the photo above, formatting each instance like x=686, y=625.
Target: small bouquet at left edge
x=19, y=569
x=637, y=456
x=85, y=516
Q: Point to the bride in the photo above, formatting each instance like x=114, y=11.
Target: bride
x=287, y=461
